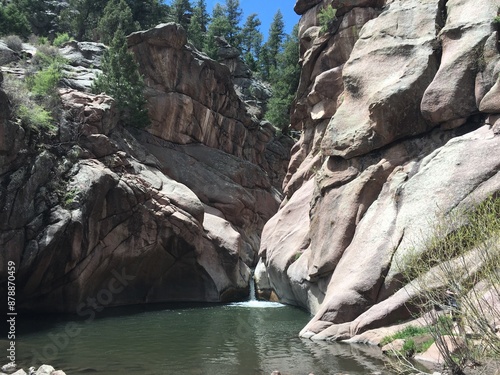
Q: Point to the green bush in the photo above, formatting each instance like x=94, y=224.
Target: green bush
x=60, y=39
x=45, y=82
x=36, y=117
x=327, y=16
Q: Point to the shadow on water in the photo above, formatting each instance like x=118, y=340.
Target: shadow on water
x=252, y=337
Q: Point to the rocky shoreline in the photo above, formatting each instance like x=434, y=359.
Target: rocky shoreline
x=11, y=369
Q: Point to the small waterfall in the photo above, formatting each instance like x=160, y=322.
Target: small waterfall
x=252, y=301
x=252, y=296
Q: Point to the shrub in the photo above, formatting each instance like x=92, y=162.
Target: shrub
x=36, y=117
x=47, y=55
x=327, y=16
x=457, y=269
x=45, y=81
x=14, y=43
x=60, y=39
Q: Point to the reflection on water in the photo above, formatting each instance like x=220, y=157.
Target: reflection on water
x=241, y=338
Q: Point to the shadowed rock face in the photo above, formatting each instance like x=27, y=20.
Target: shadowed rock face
x=397, y=112
x=101, y=215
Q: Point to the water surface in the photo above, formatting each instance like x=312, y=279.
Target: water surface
x=241, y=338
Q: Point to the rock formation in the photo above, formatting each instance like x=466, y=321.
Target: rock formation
x=398, y=112
x=99, y=215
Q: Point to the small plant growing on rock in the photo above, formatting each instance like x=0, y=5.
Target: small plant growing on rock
x=327, y=16
x=60, y=39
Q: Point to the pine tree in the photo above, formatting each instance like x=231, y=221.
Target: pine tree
x=197, y=28
x=251, y=41
x=284, y=81
x=233, y=15
x=121, y=80
x=181, y=12
x=41, y=14
x=14, y=21
x=80, y=18
x=219, y=26
x=116, y=15
x=148, y=13
x=273, y=45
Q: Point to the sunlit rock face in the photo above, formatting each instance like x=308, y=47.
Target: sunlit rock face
x=103, y=215
x=398, y=119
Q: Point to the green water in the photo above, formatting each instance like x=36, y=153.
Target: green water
x=245, y=338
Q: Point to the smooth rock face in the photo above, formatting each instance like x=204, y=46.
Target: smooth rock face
x=400, y=44
x=192, y=98
x=170, y=213
x=392, y=140
x=451, y=95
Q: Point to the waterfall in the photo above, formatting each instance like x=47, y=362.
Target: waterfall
x=252, y=296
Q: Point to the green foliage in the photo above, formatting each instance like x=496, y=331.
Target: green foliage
x=81, y=18
x=44, y=82
x=284, y=79
x=148, y=13
x=36, y=117
x=251, y=41
x=197, y=29
x=14, y=21
x=181, y=12
x=116, y=15
x=233, y=15
x=327, y=16
x=272, y=47
x=121, y=80
x=219, y=26
x=69, y=198
x=407, y=332
x=462, y=254
x=60, y=39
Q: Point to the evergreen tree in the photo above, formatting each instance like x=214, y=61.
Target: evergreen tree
x=121, y=80
x=219, y=26
x=41, y=14
x=181, y=12
x=81, y=17
x=233, y=15
x=148, y=13
x=197, y=29
x=284, y=81
x=251, y=41
x=14, y=21
x=116, y=15
x=273, y=46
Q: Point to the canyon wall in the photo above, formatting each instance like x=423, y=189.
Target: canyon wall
x=398, y=111
x=94, y=214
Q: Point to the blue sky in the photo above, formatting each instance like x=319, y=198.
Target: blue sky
x=266, y=9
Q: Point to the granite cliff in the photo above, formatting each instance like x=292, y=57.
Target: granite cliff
x=398, y=110
x=173, y=212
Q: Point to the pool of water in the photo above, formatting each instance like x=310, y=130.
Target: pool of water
x=240, y=338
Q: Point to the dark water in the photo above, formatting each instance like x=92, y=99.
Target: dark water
x=246, y=338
